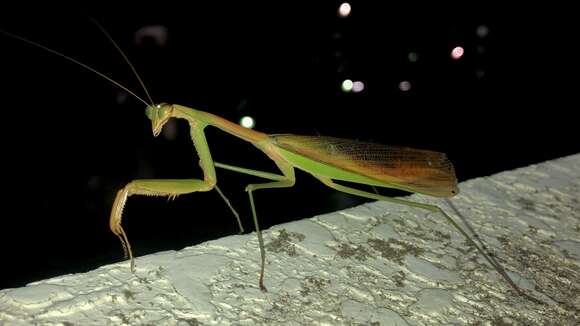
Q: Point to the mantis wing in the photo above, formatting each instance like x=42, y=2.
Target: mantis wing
x=419, y=170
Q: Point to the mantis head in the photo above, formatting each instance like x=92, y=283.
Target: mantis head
x=158, y=114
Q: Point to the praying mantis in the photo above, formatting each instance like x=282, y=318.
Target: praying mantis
x=328, y=159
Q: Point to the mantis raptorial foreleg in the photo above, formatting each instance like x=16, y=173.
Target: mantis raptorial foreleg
x=168, y=187
x=153, y=187
x=156, y=187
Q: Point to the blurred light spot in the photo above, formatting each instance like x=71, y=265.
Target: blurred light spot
x=121, y=97
x=344, y=10
x=93, y=182
x=169, y=131
x=457, y=52
x=358, y=86
x=242, y=105
x=413, y=57
x=479, y=73
x=480, y=49
x=247, y=122
x=157, y=33
x=482, y=31
x=347, y=85
x=405, y=86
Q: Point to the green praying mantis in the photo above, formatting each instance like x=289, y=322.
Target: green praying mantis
x=328, y=159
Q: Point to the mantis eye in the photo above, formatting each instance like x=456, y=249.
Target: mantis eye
x=148, y=112
x=163, y=109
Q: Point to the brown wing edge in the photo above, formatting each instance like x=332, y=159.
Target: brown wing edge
x=428, y=172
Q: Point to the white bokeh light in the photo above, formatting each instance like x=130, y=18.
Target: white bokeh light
x=405, y=86
x=347, y=85
x=344, y=9
x=247, y=122
x=358, y=86
x=482, y=31
x=157, y=33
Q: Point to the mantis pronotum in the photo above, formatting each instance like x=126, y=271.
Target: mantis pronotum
x=326, y=158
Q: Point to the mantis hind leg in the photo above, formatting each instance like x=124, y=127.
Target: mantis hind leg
x=433, y=208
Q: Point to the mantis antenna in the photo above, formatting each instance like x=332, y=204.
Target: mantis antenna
x=124, y=57
x=75, y=61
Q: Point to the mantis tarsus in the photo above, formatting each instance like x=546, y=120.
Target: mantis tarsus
x=326, y=158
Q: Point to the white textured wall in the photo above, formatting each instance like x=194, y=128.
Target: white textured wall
x=375, y=264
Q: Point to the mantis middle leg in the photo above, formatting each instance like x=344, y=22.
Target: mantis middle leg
x=281, y=181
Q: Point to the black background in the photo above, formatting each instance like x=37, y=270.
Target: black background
x=70, y=139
